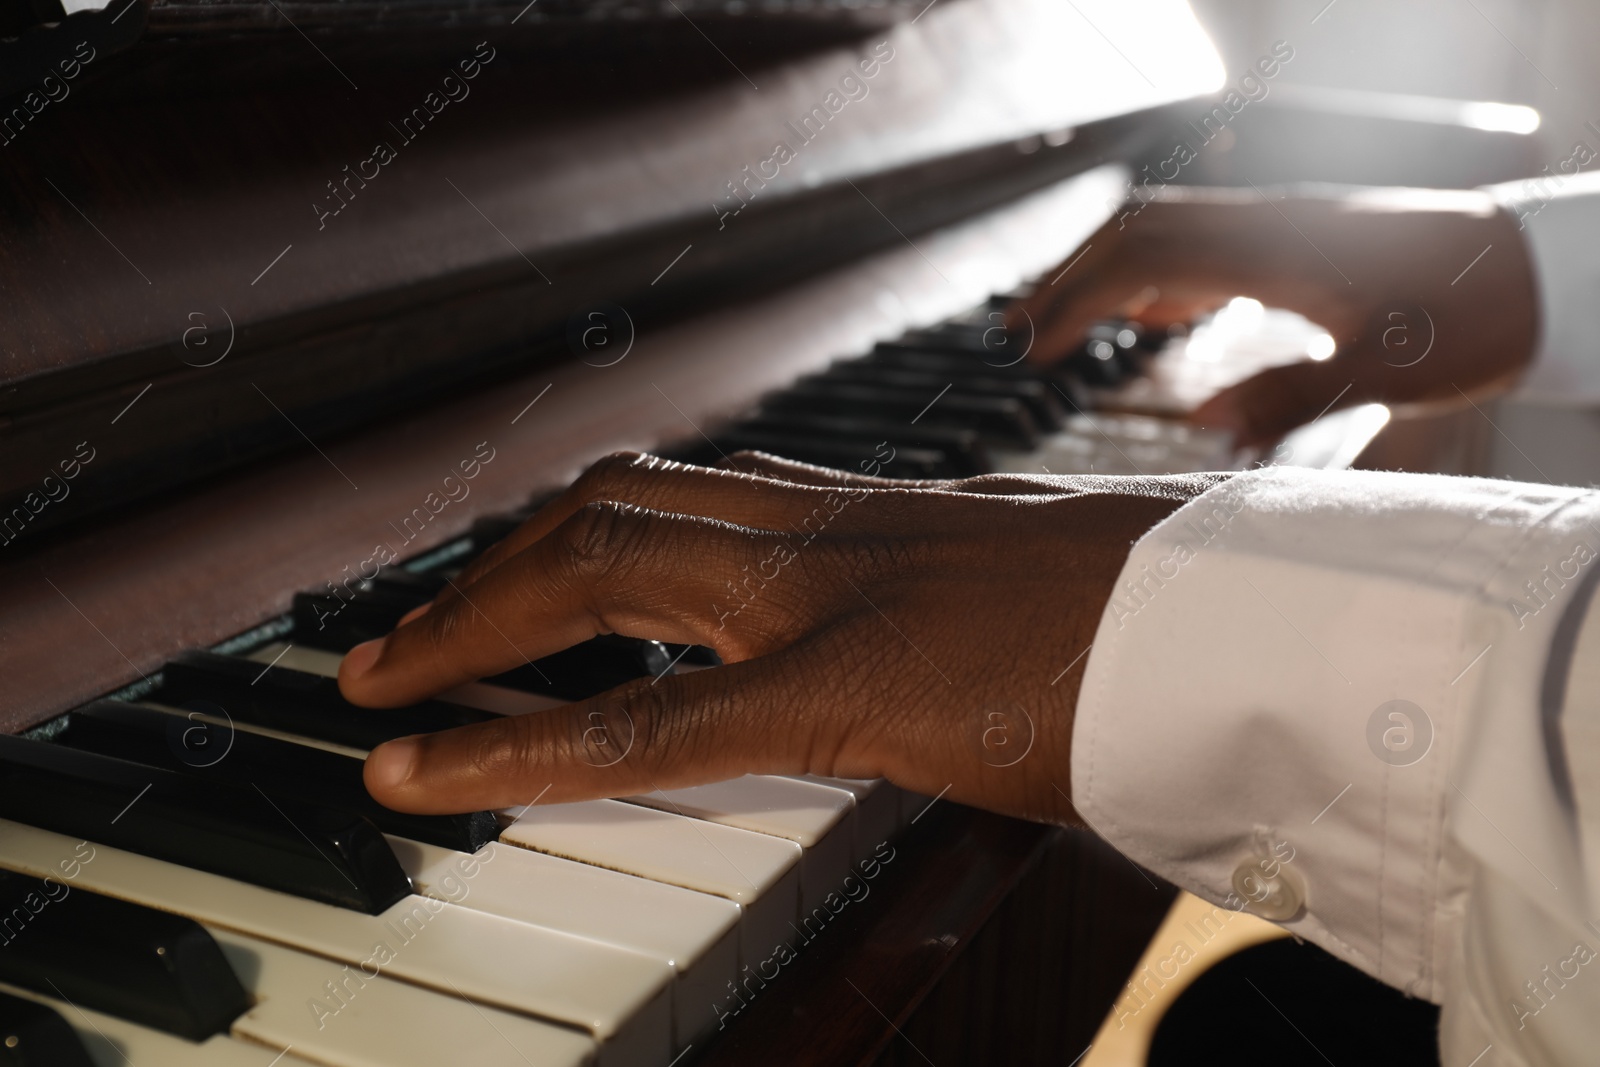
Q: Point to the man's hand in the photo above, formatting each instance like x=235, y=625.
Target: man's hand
x=1390, y=273
x=934, y=634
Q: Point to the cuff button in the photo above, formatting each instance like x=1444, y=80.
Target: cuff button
x=1277, y=897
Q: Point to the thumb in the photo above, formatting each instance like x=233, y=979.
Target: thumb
x=676, y=731
x=1267, y=405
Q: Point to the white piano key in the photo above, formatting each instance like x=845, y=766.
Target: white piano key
x=343, y=1016
x=877, y=810
x=114, y=1042
x=298, y=658
x=621, y=997
x=818, y=818
x=758, y=872
x=695, y=933
x=478, y=695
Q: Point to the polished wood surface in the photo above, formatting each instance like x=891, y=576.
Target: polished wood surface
x=145, y=236
x=888, y=949
x=1035, y=983
x=378, y=17
x=89, y=612
x=986, y=941
x=200, y=194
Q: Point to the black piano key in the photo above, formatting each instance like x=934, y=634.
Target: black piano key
x=299, y=703
x=189, y=745
x=136, y=963
x=1099, y=362
x=589, y=668
x=398, y=580
x=964, y=451
x=1111, y=354
x=1062, y=378
x=338, y=623
x=954, y=364
x=987, y=340
x=344, y=616
x=1044, y=404
x=1001, y=421
x=492, y=529
x=1131, y=337
x=35, y=1035
x=389, y=584
x=232, y=830
x=1005, y=363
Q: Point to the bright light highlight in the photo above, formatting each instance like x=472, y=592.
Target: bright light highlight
x=1501, y=118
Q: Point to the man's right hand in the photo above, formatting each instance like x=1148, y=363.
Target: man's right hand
x=1390, y=273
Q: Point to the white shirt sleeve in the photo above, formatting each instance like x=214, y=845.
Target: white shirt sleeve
x=1340, y=700
x=1560, y=218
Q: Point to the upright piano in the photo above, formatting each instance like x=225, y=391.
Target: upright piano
x=306, y=303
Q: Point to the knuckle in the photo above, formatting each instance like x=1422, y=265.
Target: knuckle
x=757, y=635
x=503, y=748
x=599, y=533
x=659, y=731
x=599, y=548
x=441, y=625
x=606, y=474
x=438, y=633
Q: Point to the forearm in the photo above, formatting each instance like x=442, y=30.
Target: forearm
x=1559, y=219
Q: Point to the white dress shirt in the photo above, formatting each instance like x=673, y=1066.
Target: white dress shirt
x=1367, y=706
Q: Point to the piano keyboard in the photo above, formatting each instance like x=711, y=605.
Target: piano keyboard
x=959, y=400
x=220, y=803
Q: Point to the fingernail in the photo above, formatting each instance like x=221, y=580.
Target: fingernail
x=359, y=660
x=389, y=765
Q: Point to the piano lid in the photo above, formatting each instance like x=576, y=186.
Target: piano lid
x=204, y=17
x=202, y=45
x=334, y=248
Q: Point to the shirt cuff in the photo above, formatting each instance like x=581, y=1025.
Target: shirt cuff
x=1559, y=215
x=1284, y=699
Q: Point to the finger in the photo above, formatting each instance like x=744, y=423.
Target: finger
x=610, y=568
x=683, y=730
x=1134, y=281
x=1195, y=250
x=1058, y=313
x=745, y=499
x=1158, y=293
x=1267, y=405
x=1108, y=297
